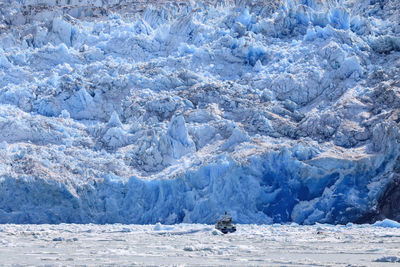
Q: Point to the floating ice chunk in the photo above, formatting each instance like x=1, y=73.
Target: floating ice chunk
x=387, y=223
x=216, y=232
x=159, y=227
x=392, y=259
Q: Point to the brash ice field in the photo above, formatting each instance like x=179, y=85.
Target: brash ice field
x=200, y=245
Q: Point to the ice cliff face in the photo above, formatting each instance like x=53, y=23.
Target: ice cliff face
x=139, y=112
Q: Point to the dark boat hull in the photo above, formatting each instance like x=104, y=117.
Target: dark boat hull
x=228, y=230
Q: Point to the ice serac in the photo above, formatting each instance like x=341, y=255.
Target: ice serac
x=176, y=111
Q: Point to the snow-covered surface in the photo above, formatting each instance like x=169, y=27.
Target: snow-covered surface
x=198, y=245
x=174, y=111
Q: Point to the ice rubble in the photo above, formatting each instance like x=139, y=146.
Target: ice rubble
x=387, y=223
x=265, y=245
x=121, y=111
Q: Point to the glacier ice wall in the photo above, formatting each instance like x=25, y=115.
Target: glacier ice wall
x=134, y=112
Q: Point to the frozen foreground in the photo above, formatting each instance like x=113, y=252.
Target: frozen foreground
x=198, y=244
x=277, y=111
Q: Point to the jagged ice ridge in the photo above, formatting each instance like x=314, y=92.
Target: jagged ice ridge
x=145, y=112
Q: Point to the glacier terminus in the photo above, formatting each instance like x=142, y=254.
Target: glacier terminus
x=138, y=112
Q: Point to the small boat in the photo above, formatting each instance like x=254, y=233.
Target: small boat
x=225, y=224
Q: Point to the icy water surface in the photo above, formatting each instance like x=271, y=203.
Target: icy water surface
x=198, y=245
